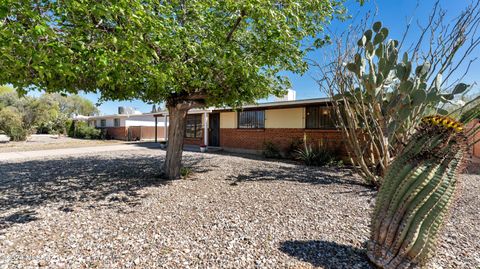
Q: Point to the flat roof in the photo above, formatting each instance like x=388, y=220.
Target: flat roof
x=280, y=104
x=268, y=105
x=122, y=115
x=191, y=111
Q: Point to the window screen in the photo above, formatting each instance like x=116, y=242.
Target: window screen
x=319, y=117
x=251, y=119
x=193, y=128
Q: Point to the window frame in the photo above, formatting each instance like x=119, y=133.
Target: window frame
x=332, y=126
x=115, y=121
x=256, y=126
x=103, y=123
x=198, y=129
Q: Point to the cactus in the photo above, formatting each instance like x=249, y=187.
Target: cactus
x=387, y=94
x=417, y=194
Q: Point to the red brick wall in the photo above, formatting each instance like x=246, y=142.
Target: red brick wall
x=134, y=132
x=476, y=147
x=254, y=139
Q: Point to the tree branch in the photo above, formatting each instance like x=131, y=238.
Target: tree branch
x=235, y=26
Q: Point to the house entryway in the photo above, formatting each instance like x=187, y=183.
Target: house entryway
x=214, y=130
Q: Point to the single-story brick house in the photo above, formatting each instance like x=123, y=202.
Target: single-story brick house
x=130, y=127
x=248, y=129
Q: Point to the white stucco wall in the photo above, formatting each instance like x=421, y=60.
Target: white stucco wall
x=144, y=120
x=133, y=120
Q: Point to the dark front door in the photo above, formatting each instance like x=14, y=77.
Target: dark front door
x=214, y=130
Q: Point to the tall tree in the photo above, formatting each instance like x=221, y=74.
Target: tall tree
x=189, y=54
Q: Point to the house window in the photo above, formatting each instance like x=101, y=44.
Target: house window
x=254, y=119
x=319, y=117
x=193, y=127
x=103, y=123
x=116, y=122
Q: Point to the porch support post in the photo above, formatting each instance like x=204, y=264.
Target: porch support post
x=205, y=128
x=165, y=127
x=156, y=126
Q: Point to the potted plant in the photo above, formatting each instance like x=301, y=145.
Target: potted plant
x=203, y=148
x=163, y=144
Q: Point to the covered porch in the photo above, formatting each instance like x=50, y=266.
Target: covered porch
x=202, y=128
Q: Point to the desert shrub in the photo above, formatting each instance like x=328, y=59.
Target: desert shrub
x=317, y=155
x=293, y=148
x=12, y=125
x=270, y=150
x=185, y=172
x=81, y=129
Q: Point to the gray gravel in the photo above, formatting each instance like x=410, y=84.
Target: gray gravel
x=111, y=210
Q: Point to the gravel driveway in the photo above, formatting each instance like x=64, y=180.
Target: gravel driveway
x=111, y=210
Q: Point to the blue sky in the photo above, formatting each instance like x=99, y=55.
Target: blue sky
x=393, y=14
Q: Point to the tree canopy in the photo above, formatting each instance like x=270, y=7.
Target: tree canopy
x=214, y=52
x=22, y=115
x=187, y=54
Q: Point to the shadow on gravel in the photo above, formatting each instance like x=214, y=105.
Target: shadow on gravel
x=326, y=254
x=304, y=174
x=66, y=181
x=22, y=216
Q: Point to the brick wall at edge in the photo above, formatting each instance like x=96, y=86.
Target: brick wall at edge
x=254, y=139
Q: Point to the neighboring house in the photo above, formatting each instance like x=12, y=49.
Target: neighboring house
x=131, y=127
x=283, y=123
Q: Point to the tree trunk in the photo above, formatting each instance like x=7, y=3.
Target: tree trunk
x=176, y=133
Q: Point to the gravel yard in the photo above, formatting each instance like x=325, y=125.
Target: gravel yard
x=111, y=210
x=45, y=142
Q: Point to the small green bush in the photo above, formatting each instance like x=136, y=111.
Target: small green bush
x=317, y=155
x=270, y=150
x=80, y=129
x=185, y=172
x=293, y=148
x=11, y=124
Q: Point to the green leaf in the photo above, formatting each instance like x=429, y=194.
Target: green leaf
x=384, y=32
x=377, y=26
x=368, y=34
x=418, y=97
x=352, y=67
x=460, y=88
x=442, y=111
x=40, y=29
x=406, y=86
x=378, y=38
x=3, y=12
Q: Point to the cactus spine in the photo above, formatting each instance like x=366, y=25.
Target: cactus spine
x=417, y=194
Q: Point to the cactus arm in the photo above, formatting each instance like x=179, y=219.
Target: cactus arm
x=412, y=205
x=420, y=171
x=397, y=172
x=393, y=173
x=408, y=230
x=427, y=242
x=417, y=192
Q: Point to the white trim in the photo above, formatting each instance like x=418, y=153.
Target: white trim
x=205, y=128
x=166, y=127
x=281, y=103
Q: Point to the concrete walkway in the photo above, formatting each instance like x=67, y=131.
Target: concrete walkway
x=10, y=156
